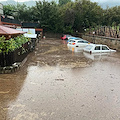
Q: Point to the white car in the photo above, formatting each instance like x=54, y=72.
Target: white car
x=78, y=43
x=97, y=48
x=75, y=49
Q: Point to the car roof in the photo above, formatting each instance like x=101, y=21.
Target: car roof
x=94, y=45
x=80, y=39
x=75, y=39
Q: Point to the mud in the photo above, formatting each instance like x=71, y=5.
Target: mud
x=56, y=83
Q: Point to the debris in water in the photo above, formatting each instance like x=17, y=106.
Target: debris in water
x=59, y=79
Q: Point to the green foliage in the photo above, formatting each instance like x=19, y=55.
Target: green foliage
x=9, y=9
x=63, y=2
x=12, y=44
x=68, y=30
x=2, y=44
x=66, y=15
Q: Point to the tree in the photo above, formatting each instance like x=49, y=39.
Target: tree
x=112, y=15
x=9, y=10
x=62, y=2
x=86, y=14
x=48, y=14
x=66, y=16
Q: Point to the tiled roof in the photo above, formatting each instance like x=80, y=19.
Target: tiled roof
x=9, y=31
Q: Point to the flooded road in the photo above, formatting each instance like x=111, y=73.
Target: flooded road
x=56, y=83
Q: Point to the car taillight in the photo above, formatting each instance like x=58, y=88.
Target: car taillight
x=73, y=43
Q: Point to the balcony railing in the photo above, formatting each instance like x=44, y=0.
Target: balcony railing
x=30, y=25
x=9, y=20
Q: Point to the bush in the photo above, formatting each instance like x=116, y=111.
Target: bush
x=12, y=44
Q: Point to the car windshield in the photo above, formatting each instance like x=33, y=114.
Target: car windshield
x=89, y=47
x=68, y=35
x=71, y=41
x=82, y=41
x=72, y=38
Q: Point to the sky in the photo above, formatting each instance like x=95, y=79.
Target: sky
x=102, y=3
x=99, y=1
x=37, y=0
x=21, y=0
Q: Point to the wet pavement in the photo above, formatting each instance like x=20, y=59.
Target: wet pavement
x=56, y=83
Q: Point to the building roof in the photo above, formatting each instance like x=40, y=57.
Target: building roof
x=9, y=31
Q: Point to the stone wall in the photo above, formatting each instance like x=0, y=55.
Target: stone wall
x=113, y=43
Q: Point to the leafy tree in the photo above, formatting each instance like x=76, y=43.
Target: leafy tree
x=111, y=15
x=9, y=10
x=86, y=14
x=48, y=14
x=23, y=12
x=62, y=2
x=67, y=16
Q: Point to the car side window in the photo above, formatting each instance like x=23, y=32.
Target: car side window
x=104, y=48
x=80, y=41
x=97, y=48
x=85, y=41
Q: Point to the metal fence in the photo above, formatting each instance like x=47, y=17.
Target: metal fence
x=30, y=25
x=8, y=20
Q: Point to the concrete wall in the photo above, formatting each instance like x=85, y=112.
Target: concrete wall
x=113, y=43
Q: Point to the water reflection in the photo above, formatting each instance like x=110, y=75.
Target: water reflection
x=10, y=87
x=97, y=56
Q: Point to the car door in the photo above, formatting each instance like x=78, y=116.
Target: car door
x=81, y=43
x=97, y=49
x=105, y=49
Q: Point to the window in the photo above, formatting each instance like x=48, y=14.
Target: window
x=80, y=41
x=104, y=48
x=97, y=48
x=85, y=41
x=71, y=41
x=89, y=47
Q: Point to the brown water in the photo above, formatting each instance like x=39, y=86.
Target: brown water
x=58, y=84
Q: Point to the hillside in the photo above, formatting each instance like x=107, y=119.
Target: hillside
x=28, y=3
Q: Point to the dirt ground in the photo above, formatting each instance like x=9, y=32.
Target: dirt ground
x=57, y=83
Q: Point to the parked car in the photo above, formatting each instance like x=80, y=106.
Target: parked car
x=75, y=49
x=73, y=38
x=98, y=48
x=78, y=43
x=65, y=37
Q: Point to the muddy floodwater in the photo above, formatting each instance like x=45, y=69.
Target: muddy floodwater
x=57, y=83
